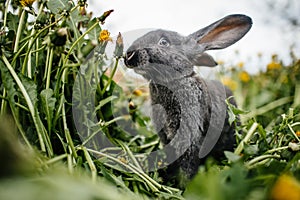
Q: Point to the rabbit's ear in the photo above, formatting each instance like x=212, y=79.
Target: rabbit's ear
x=224, y=32
x=204, y=59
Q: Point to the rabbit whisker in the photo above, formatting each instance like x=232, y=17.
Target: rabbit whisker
x=129, y=58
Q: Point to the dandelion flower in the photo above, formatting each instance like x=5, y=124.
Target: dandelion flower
x=104, y=36
x=229, y=83
x=286, y=187
x=244, y=76
x=273, y=66
x=26, y=3
x=298, y=133
x=138, y=92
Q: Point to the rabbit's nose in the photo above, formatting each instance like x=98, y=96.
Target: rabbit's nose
x=131, y=59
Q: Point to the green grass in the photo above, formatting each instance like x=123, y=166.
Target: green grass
x=61, y=101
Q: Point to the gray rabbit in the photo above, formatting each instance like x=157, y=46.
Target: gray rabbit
x=189, y=113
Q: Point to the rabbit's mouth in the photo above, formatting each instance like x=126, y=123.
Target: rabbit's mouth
x=136, y=58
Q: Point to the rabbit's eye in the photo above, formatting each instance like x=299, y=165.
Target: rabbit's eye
x=163, y=42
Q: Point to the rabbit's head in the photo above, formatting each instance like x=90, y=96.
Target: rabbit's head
x=165, y=55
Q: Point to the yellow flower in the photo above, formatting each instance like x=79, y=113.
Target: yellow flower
x=286, y=188
x=229, y=83
x=298, y=133
x=273, y=66
x=26, y=3
x=244, y=76
x=104, y=36
x=240, y=64
x=138, y=92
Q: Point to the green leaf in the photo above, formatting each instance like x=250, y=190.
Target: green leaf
x=112, y=178
x=236, y=185
x=233, y=112
x=231, y=117
x=31, y=88
x=8, y=83
x=12, y=22
x=48, y=105
x=232, y=156
x=94, y=34
x=251, y=149
x=57, y=6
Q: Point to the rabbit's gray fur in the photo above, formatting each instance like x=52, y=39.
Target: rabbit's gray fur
x=189, y=112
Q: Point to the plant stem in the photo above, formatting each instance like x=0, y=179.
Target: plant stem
x=296, y=124
x=3, y=103
x=260, y=158
x=277, y=149
x=249, y=134
x=37, y=49
x=90, y=163
x=34, y=39
x=130, y=168
x=293, y=132
x=111, y=77
x=5, y=14
x=56, y=159
x=66, y=129
x=29, y=70
x=268, y=107
x=130, y=154
x=70, y=163
x=19, y=30
x=49, y=68
x=31, y=41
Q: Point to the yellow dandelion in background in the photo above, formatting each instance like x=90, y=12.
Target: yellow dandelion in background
x=286, y=188
x=240, y=64
x=273, y=66
x=298, y=133
x=244, y=76
x=26, y=3
x=229, y=83
x=104, y=36
x=138, y=92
